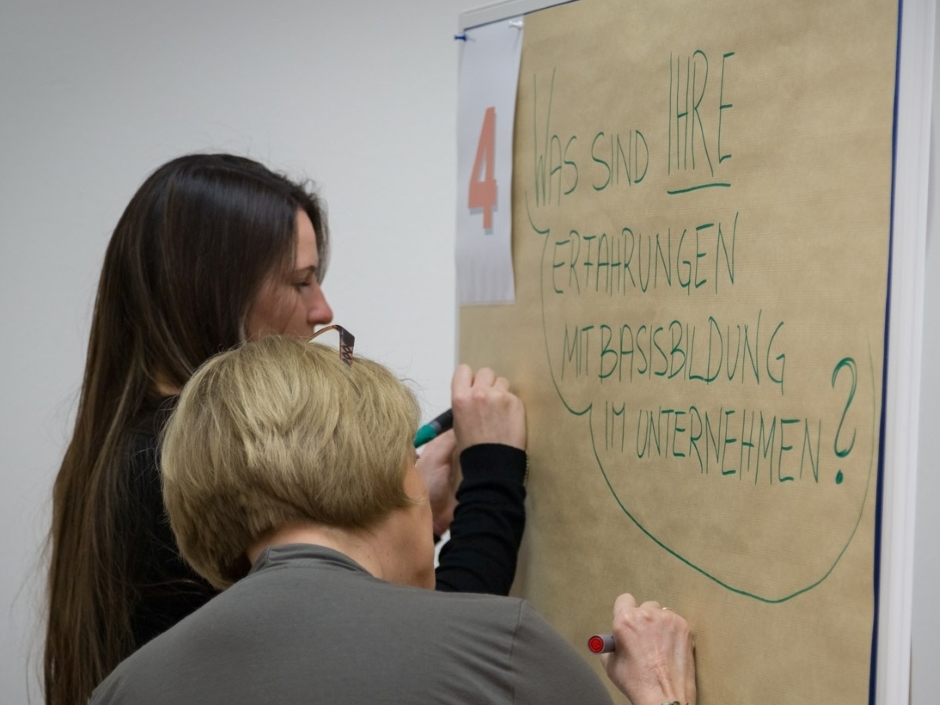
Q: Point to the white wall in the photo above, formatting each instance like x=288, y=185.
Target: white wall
x=359, y=95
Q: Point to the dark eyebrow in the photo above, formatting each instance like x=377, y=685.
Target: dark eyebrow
x=311, y=270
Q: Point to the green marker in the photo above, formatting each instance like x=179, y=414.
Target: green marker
x=434, y=428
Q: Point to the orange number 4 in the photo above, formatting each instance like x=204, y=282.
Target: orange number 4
x=482, y=191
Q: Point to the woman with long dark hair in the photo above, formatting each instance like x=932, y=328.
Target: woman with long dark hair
x=211, y=251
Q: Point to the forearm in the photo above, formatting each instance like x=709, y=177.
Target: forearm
x=488, y=523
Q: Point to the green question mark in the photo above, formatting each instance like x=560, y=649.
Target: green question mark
x=843, y=452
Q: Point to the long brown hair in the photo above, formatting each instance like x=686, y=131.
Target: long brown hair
x=184, y=263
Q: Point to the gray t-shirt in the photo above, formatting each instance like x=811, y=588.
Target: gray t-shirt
x=310, y=625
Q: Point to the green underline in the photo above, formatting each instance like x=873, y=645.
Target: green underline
x=696, y=188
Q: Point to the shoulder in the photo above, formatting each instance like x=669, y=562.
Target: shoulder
x=541, y=665
x=548, y=668
x=129, y=682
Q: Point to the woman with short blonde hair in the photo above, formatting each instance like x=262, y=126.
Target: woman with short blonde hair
x=317, y=440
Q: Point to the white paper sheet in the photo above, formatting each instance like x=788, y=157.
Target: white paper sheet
x=486, y=105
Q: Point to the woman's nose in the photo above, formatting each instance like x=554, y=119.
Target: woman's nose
x=319, y=312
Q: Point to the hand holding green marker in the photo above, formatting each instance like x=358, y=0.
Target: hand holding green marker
x=434, y=428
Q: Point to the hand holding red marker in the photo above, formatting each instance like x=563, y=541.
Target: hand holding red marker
x=650, y=654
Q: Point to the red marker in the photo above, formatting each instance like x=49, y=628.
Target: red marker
x=601, y=644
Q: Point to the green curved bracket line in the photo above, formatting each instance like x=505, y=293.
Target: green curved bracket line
x=588, y=409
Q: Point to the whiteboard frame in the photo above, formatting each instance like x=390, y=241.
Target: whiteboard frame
x=905, y=345
x=503, y=10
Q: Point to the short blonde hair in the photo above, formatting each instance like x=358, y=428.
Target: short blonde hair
x=279, y=431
